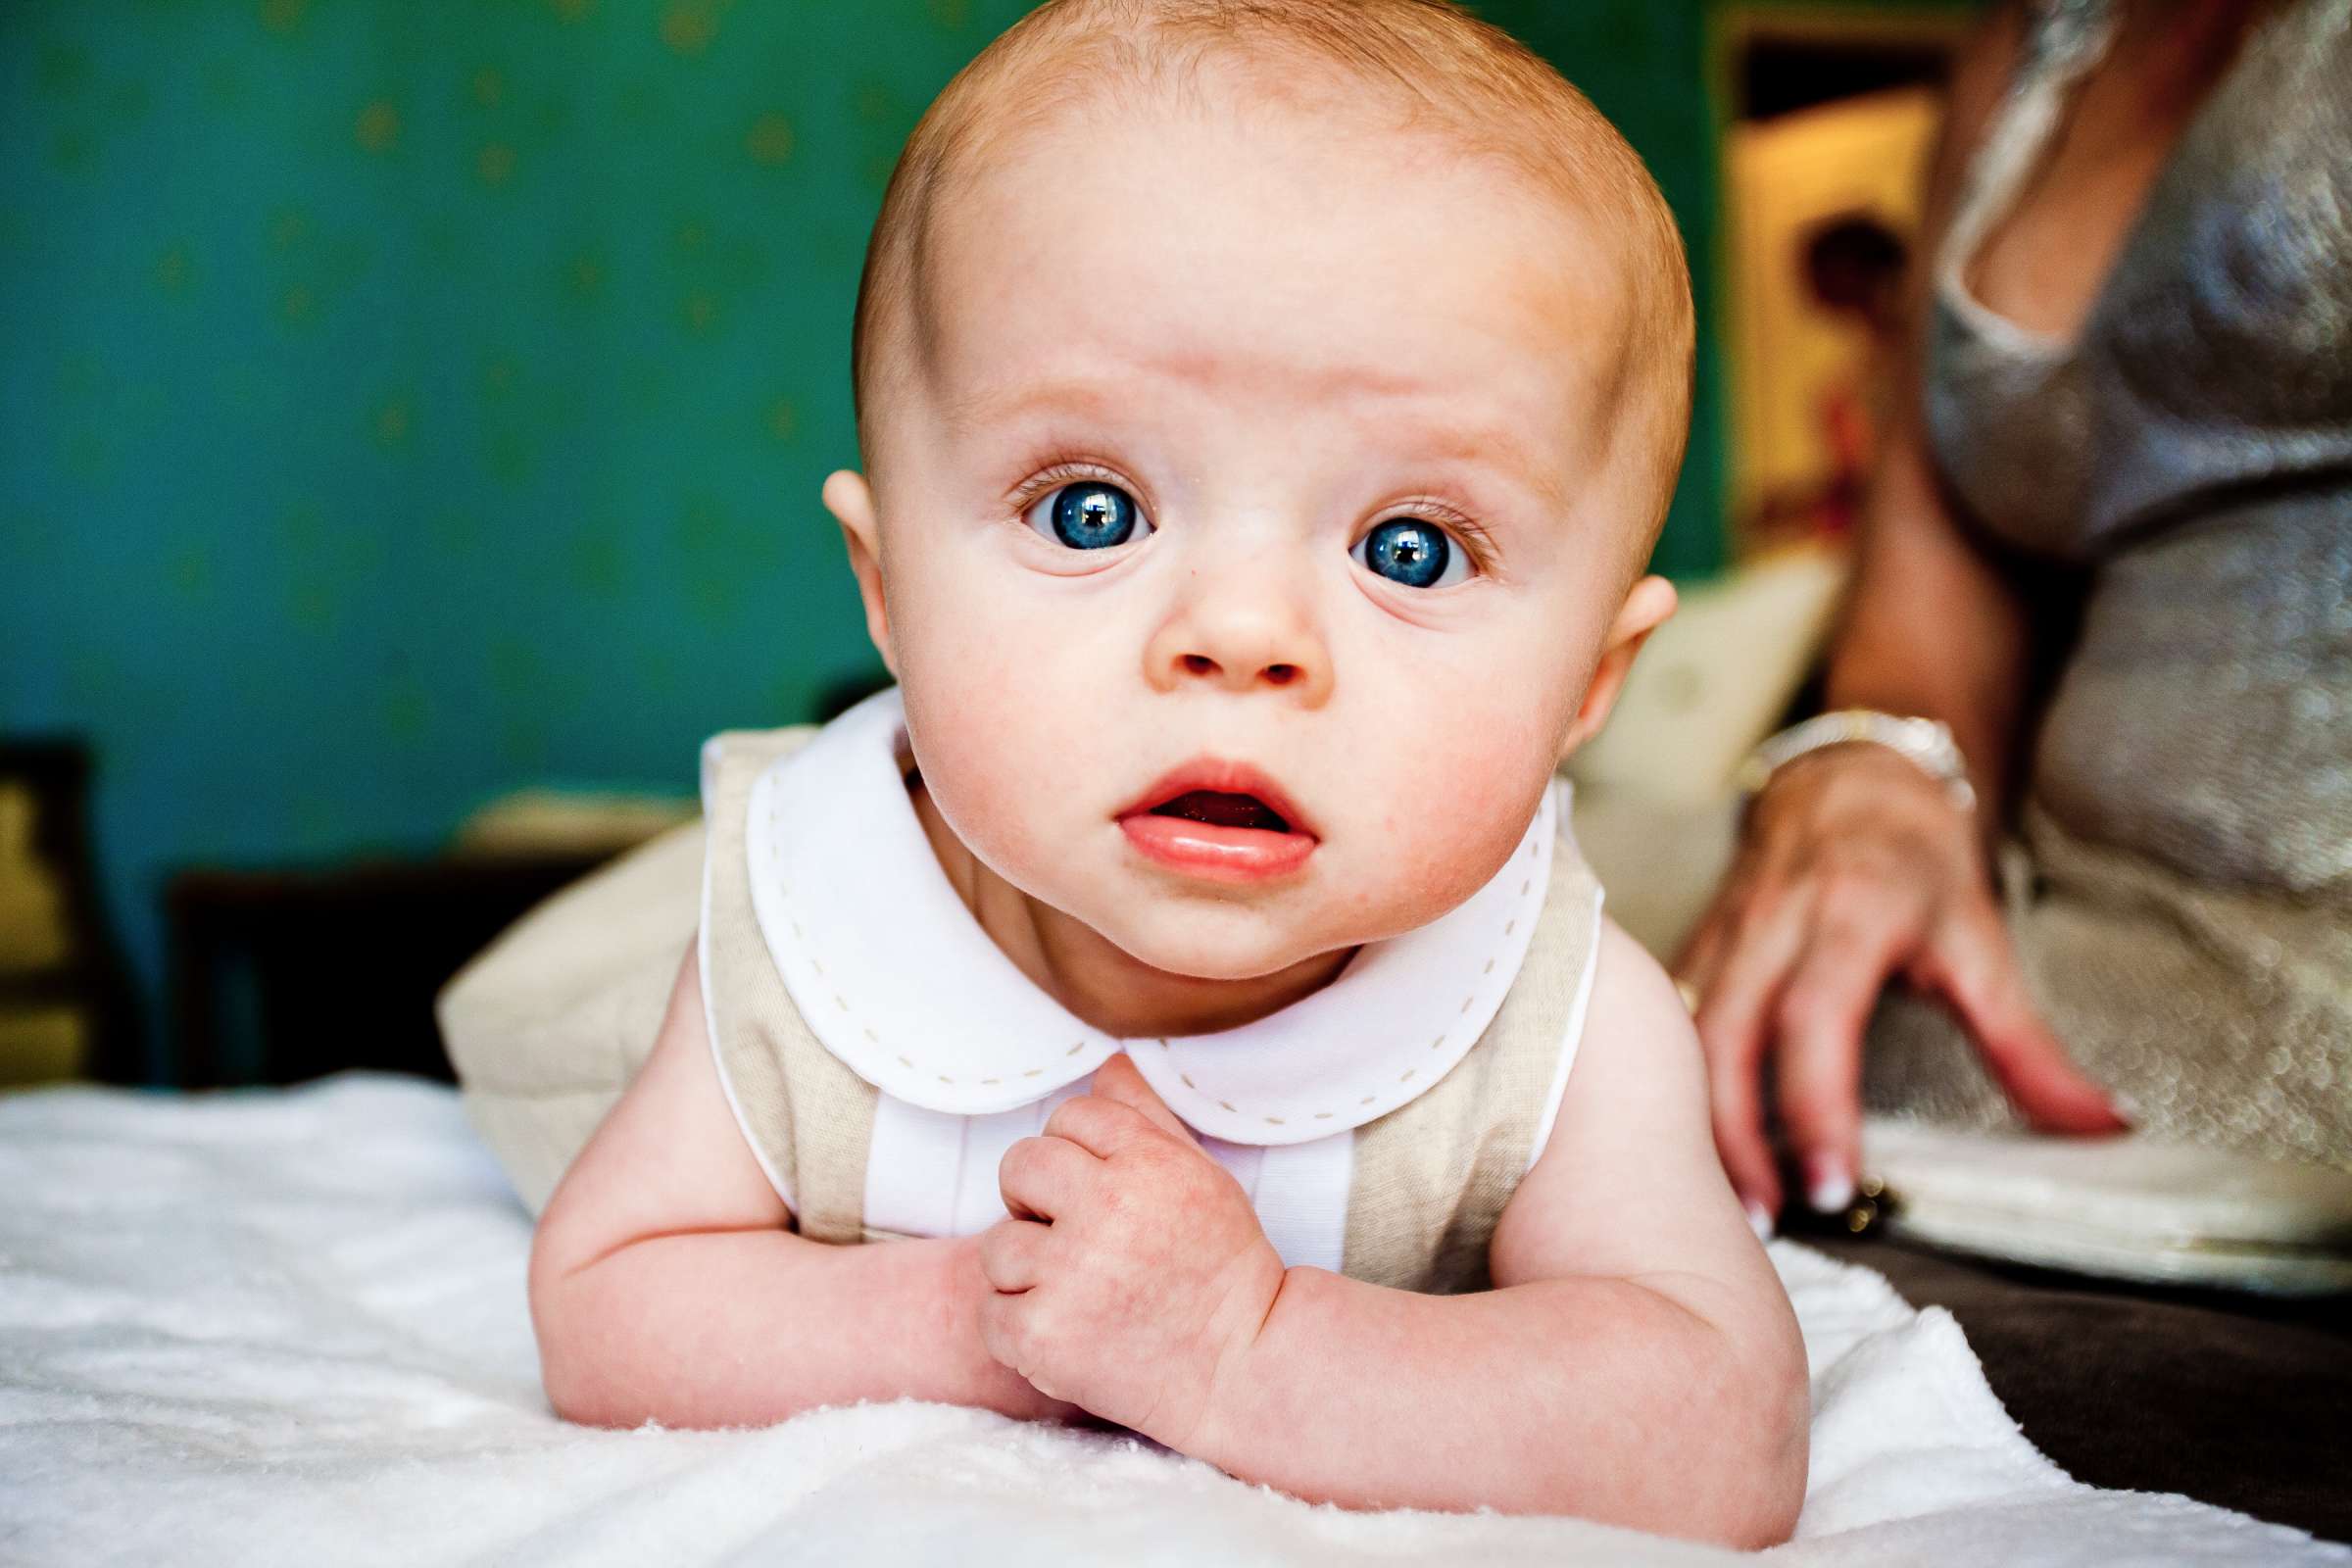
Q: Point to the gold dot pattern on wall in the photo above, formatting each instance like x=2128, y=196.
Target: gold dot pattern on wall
x=190, y=572
x=283, y=15
x=688, y=26
x=171, y=270
x=377, y=127
x=392, y=423
x=770, y=140
x=584, y=277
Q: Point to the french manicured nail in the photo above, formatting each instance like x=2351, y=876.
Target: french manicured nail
x=1759, y=1221
x=2125, y=1109
x=1828, y=1186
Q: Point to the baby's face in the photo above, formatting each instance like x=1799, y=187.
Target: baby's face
x=1265, y=443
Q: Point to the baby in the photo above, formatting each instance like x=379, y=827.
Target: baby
x=1266, y=412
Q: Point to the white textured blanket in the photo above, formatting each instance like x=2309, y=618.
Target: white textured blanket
x=289, y=1326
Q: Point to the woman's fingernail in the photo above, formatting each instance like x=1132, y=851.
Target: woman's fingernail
x=2125, y=1109
x=1759, y=1221
x=1828, y=1186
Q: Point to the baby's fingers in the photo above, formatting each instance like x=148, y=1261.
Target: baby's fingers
x=1040, y=1178
x=1012, y=1255
x=1120, y=1081
x=1003, y=1317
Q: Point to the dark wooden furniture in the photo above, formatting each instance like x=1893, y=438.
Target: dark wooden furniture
x=283, y=975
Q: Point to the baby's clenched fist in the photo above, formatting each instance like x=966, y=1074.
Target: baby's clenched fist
x=1133, y=1276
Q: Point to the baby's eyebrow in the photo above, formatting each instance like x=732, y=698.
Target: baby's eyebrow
x=1001, y=403
x=1474, y=444
x=1491, y=447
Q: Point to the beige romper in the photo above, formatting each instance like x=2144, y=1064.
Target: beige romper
x=857, y=1012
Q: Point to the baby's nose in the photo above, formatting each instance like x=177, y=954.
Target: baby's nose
x=1242, y=647
x=1279, y=674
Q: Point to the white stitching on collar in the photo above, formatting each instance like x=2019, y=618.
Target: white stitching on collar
x=956, y=1027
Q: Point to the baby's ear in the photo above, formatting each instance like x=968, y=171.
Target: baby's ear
x=1646, y=606
x=851, y=500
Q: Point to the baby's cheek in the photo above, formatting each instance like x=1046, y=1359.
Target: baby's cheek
x=994, y=751
x=960, y=741
x=1457, y=804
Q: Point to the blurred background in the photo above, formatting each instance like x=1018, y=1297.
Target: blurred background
x=411, y=416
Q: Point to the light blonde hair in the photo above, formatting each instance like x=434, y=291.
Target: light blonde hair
x=1441, y=67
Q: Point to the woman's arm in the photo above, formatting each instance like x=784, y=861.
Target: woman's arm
x=1853, y=866
x=1931, y=625
x=665, y=1285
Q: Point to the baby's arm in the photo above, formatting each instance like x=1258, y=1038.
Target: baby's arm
x=665, y=1286
x=1637, y=1363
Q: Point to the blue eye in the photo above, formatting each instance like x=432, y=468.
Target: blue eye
x=1086, y=516
x=1414, y=553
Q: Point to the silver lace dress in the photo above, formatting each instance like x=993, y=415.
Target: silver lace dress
x=2180, y=883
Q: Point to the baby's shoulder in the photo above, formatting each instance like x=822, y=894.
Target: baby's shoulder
x=1640, y=1050
x=1631, y=1156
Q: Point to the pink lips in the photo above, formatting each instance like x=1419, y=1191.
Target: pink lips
x=1211, y=850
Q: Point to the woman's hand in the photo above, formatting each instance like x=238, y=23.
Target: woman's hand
x=1855, y=867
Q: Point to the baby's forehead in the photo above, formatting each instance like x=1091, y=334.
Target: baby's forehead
x=1359, y=252
x=1047, y=107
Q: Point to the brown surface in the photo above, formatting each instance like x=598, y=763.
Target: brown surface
x=2237, y=1400
x=280, y=975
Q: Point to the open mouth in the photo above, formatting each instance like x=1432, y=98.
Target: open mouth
x=1219, y=809
x=1222, y=820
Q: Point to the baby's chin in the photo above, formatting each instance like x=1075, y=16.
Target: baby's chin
x=1232, y=943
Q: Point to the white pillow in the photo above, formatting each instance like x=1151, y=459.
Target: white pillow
x=1715, y=679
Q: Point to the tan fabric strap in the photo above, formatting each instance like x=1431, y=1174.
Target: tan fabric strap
x=807, y=1116
x=1432, y=1177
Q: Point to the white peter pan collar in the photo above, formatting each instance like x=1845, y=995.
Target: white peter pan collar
x=896, y=979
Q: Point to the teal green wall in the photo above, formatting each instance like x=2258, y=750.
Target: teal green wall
x=401, y=401
x=1642, y=63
